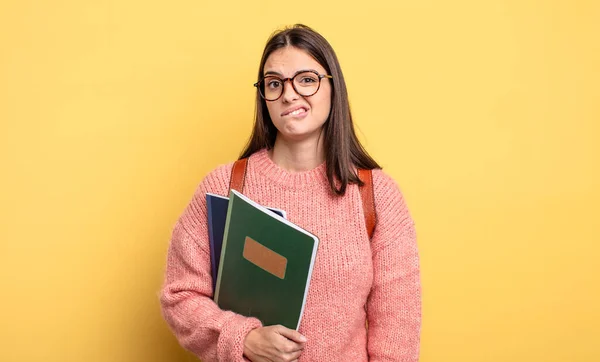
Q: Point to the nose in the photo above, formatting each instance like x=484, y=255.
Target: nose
x=289, y=93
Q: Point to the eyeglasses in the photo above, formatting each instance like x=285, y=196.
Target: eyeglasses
x=306, y=83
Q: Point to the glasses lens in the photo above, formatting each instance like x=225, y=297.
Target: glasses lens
x=271, y=88
x=306, y=83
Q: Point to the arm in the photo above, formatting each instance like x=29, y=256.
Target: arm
x=186, y=297
x=394, y=304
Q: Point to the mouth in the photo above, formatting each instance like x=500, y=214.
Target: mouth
x=296, y=111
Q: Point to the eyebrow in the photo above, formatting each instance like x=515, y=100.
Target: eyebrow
x=272, y=72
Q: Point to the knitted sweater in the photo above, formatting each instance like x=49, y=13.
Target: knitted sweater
x=354, y=279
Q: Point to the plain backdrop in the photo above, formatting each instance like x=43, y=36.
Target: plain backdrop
x=486, y=113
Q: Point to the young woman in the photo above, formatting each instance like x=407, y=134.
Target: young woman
x=364, y=301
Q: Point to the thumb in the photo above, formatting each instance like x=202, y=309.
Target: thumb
x=291, y=334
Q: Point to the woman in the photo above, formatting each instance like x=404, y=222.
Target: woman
x=303, y=157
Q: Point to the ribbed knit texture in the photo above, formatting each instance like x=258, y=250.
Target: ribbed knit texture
x=354, y=279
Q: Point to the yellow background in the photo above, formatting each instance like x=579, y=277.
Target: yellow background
x=486, y=113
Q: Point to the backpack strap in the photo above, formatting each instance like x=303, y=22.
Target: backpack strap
x=367, y=196
x=238, y=175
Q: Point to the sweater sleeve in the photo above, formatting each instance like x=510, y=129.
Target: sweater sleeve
x=394, y=304
x=186, y=296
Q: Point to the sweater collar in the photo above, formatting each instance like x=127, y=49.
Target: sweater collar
x=265, y=166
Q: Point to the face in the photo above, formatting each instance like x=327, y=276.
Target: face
x=297, y=117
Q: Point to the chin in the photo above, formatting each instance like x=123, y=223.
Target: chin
x=297, y=130
x=294, y=137
x=297, y=136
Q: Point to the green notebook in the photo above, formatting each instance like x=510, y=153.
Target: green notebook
x=266, y=264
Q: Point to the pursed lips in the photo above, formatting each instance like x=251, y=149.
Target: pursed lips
x=294, y=111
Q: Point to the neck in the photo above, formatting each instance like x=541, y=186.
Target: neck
x=298, y=156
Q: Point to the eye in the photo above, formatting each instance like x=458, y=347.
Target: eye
x=307, y=79
x=273, y=83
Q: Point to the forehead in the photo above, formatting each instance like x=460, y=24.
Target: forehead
x=289, y=60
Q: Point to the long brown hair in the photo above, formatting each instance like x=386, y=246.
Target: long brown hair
x=343, y=151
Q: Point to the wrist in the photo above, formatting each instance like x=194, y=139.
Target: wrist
x=248, y=342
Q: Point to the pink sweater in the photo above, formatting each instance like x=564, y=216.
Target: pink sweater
x=354, y=280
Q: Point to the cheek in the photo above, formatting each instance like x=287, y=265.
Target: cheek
x=322, y=106
x=273, y=110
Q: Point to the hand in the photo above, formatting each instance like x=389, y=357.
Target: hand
x=273, y=343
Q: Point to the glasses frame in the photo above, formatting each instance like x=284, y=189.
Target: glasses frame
x=284, y=80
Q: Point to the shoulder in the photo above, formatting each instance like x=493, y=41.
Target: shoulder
x=384, y=185
x=216, y=181
x=389, y=199
x=193, y=218
x=220, y=174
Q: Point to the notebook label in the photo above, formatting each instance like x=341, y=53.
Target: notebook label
x=265, y=258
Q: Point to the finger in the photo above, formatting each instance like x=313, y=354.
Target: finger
x=291, y=334
x=290, y=346
x=294, y=356
x=289, y=357
x=284, y=345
